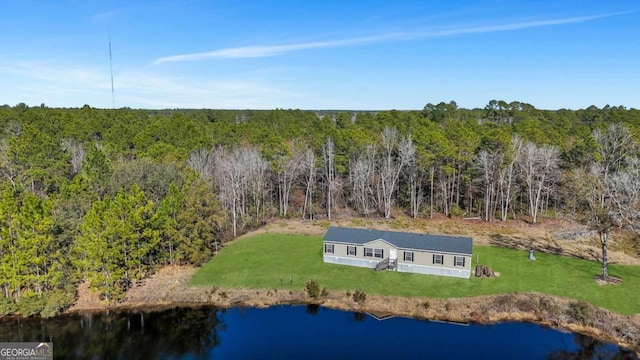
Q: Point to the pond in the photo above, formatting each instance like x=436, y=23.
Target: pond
x=295, y=332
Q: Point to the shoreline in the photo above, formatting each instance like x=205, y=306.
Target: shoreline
x=546, y=310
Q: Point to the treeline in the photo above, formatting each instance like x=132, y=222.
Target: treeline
x=106, y=196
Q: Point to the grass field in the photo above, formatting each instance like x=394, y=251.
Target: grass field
x=262, y=261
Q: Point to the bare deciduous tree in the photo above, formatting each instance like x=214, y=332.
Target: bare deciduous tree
x=239, y=176
x=289, y=167
x=538, y=166
x=507, y=175
x=76, y=150
x=613, y=203
x=615, y=185
x=362, y=176
x=228, y=177
x=615, y=145
x=256, y=173
x=408, y=160
x=328, y=153
x=390, y=165
x=597, y=195
x=489, y=164
x=202, y=161
x=624, y=192
x=309, y=169
x=416, y=176
x=7, y=169
x=445, y=174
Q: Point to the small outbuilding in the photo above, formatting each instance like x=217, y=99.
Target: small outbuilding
x=400, y=251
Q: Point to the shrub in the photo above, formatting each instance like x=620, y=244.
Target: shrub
x=313, y=289
x=31, y=305
x=7, y=306
x=505, y=302
x=549, y=306
x=324, y=292
x=323, y=224
x=397, y=224
x=223, y=294
x=359, y=296
x=456, y=211
x=527, y=304
x=579, y=311
x=426, y=305
x=56, y=301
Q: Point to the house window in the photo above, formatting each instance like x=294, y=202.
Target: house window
x=328, y=248
x=458, y=261
x=438, y=259
x=368, y=252
x=408, y=256
x=351, y=250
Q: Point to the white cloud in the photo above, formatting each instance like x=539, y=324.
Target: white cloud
x=157, y=91
x=73, y=85
x=54, y=73
x=274, y=50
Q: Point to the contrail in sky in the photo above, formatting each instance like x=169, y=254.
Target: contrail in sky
x=275, y=50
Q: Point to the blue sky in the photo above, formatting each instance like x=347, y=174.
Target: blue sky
x=369, y=55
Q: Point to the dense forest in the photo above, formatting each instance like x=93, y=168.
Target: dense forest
x=106, y=196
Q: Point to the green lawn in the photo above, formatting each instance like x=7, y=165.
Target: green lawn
x=260, y=261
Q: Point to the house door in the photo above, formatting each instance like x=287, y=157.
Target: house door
x=393, y=254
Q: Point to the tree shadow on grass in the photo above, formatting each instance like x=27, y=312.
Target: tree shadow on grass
x=542, y=246
x=518, y=243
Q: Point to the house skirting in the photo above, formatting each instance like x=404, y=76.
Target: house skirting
x=351, y=261
x=401, y=267
x=432, y=270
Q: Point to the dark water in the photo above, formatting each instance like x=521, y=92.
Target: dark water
x=295, y=332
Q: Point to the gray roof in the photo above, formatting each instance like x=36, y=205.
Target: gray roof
x=401, y=240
